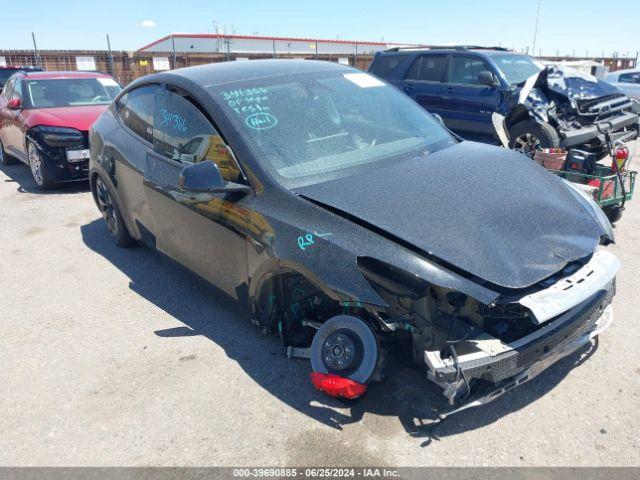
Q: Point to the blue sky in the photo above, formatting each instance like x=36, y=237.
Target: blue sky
x=565, y=25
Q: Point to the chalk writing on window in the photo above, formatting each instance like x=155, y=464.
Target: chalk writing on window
x=173, y=120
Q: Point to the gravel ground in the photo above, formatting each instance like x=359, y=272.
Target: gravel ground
x=116, y=357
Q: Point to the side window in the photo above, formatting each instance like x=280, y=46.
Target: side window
x=184, y=134
x=465, y=70
x=633, y=77
x=428, y=68
x=17, y=89
x=136, y=110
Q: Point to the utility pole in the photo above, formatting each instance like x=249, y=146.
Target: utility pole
x=535, y=31
x=173, y=47
x=110, y=57
x=35, y=51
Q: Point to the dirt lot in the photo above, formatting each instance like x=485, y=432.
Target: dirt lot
x=114, y=356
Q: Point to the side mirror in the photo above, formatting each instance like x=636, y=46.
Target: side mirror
x=486, y=78
x=15, y=104
x=205, y=177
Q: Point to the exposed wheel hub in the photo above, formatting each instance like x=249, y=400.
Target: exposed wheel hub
x=339, y=351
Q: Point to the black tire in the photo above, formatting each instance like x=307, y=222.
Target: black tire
x=111, y=214
x=345, y=345
x=528, y=135
x=40, y=168
x=613, y=212
x=5, y=158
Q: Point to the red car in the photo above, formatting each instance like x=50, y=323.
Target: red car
x=45, y=119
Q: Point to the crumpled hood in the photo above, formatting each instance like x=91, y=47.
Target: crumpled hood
x=576, y=85
x=489, y=211
x=81, y=118
x=543, y=92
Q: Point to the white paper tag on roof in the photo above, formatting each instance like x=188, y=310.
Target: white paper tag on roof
x=363, y=80
x=108, y=82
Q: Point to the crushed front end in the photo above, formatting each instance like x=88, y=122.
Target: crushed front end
x=66, y=150
x=578, y=106
x=464, y=343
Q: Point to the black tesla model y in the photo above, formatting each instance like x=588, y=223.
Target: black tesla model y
x=347, y=219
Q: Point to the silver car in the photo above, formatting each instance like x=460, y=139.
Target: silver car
x=626, y=80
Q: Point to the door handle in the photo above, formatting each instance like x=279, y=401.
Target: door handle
x=408, y=88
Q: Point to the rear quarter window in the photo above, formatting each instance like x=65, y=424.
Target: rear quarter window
x=136, y=111
x=383, y=65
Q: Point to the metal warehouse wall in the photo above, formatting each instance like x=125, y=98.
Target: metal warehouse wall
x=258, y=45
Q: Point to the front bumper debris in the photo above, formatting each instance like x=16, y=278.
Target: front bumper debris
x=572, y=138
x=596, y=327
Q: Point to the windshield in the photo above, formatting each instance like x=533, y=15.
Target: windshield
x=314, y=127
x=70, y=92
x=517, y=68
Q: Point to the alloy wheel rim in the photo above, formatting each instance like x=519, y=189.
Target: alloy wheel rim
x=527, y=143
x=35, y=162
x=105, y=205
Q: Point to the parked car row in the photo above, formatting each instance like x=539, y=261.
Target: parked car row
x=345, y=218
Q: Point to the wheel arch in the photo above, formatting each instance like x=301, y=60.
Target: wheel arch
x=273, y=296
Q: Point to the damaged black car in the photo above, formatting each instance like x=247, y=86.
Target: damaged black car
x=542, y=106
x=346, y=220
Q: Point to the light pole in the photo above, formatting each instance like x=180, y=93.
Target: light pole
x=535, y=32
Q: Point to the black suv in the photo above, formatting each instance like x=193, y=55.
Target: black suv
x=474, y=89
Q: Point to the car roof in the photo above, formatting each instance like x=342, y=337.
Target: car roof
x=214, y=74
x=620, y=72
x=489, y=51
x=62, y=75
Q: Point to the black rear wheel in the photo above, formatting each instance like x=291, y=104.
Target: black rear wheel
x=111, y=214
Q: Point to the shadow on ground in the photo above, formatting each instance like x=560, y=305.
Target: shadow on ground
x=405, y=394
x=20, y=174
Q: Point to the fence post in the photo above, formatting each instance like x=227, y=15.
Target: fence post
x=35, y=51
x=109, y=57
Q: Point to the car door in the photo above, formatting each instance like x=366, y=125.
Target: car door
x=124, y=154
x=424, y=81
x=16, y=123
x=4, y=113
x=467, y=103
x=11, y=130
x=202, y=231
